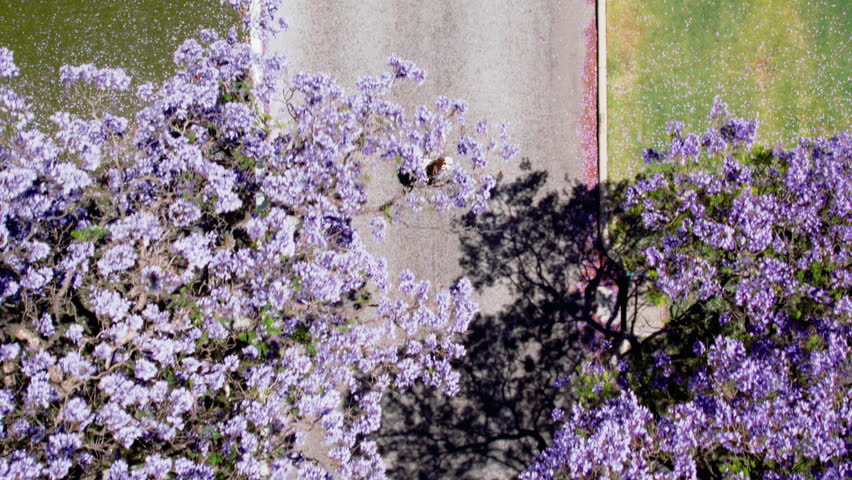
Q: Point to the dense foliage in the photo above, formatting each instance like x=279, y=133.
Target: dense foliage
x=750, y=376
x=185, y=295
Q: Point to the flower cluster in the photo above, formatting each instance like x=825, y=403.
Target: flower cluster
x=751, y=249
x=102, y=78
x=185, y=295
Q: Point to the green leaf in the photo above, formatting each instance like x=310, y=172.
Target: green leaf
x=244, y=162
x=90, y=234
x=814, y=342
x=657, y=298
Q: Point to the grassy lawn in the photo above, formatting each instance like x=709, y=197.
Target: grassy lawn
x=785, y=62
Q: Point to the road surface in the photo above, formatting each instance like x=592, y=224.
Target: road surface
x=518, y=61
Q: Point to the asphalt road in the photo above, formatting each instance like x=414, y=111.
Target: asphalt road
x=513, y=60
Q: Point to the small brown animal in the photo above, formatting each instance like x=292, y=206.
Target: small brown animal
x=434, y=168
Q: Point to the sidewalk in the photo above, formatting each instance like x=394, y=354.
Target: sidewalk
x=513, y=60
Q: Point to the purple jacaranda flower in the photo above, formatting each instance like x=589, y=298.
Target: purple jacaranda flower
x=405, y=69
x=211, y=225
x=7, y=64
x=378, y=226
x=103, y=78
x=740, y=131
x=719, y=109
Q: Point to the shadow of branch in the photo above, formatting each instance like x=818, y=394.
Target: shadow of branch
x=567, y=291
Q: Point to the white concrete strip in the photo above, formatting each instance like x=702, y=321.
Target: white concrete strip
x=602, y=117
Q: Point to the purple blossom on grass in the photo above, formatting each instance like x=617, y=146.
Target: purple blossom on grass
x=719, y=109
x=7, y=64
x=103, y=79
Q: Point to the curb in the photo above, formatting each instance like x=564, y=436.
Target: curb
x=603, y=176
x=602, y=117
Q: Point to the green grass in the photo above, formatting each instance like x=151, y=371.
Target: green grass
x=785, y=62
x=137, y=35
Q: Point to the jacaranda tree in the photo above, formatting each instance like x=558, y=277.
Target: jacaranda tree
x=750, y=376
x=185, y=295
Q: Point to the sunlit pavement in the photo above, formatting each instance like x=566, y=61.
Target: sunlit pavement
x=517, y=61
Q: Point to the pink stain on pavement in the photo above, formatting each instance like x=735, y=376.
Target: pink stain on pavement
x=588, y=130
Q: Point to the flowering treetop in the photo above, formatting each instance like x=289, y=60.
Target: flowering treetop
x=184, y=294
x=751, y=375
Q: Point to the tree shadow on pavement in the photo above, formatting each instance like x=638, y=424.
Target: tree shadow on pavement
x=545, y=248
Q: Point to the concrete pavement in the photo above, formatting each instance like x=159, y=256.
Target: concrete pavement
x=518, y=61
x=513, y=60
